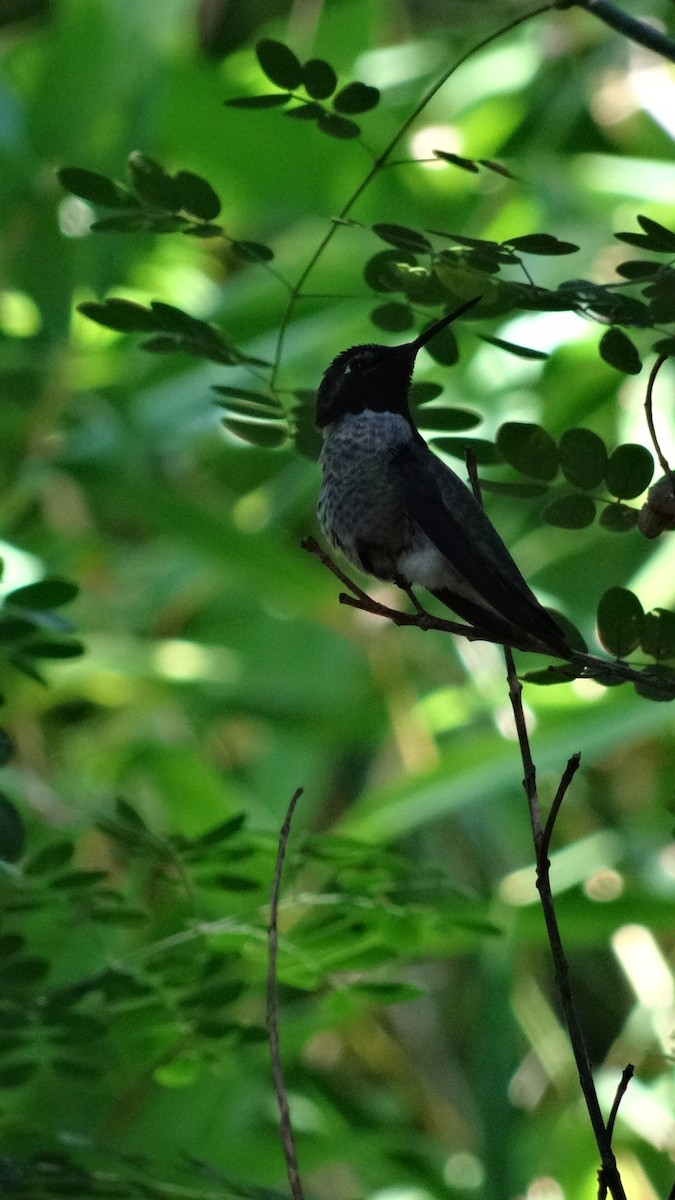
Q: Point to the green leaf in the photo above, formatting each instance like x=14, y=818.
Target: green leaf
x=95, y=188
x=305, y=112
x=152, y=182
x=278, y=62
x=17, y=1073
x=448, y=420
x=12, y=831
x=620, y=621
x=223, y=832
x=71, y=649
x=125, y=316
x=395, y=318
x=381, y=271
x=520, y=491
x=337, y=126
x=540, y=243
x=253, y=252
x=570, y=512
x=268, y=435
x=271, y=100
x=234, y=883
x=243, y=401
x=519, y=351
x=203, y=231
x=550, y=675
x=196, y=196
x=618, y=518
x=356, y=98
x=77, y=880
x=215, y=995
x=629, y=471
x=443, y=346
x=662, y=239
x=657, y=683
x=319, y=79
x=658, y=633
x=665, y=346
x=636, y=268
x=583, y=458
x=14, y=629
x=467, y=164
x=619, y=351
x=403, y=238
x=51, y=858
x=424, y=392
x=48, y=593
x=135, y=222
x=485, y=452
x=6, y=747
x=528, y=448
x=498, y=168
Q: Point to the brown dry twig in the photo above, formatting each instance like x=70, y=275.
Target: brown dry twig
x=285, y=1127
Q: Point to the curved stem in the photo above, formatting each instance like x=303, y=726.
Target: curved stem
x=379, y=163
x=630, y=27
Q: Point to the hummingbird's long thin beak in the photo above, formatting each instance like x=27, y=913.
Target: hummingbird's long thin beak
x=427, y=334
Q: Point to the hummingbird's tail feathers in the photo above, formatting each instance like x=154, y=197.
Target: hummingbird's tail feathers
x=541, y=634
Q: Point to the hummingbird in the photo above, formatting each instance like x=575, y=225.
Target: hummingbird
x=397, y=512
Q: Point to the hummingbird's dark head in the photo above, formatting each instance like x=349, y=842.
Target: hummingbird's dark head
x=374, y=377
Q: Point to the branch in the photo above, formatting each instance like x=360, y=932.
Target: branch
x=665, y=467
x=609, y=1172
x=588, y=666
x=634, y=30
x=285, y=1128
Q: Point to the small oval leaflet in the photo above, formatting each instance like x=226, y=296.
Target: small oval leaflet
x=12, y=831
x=528, y=448
x=570, y=512
x=402, y=237
x=339, y=127
x=319, y=78
x=618, y=518
x=448, y=420
x=356, y=98
x=95, y=188
x=305, y=112
x=268, y=435
x=395, y=318
x=152, y=182
x=456, y=160
x=540, y=243
x=196, y=196
x=380, y=271
x=48, y=593
x=513, y=348
x=278, y=62
x=269, y=100
x=583, y=457
x=629, y=471
x=619, y=351
x=423, y=392
x=658, y=634
x=620, y=621
x=443, y=347
x=485, y=453
x=252, y=251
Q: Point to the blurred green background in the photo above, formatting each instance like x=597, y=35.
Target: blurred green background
x=220, y=672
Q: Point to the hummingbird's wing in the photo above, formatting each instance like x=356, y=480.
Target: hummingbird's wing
x=446, y=511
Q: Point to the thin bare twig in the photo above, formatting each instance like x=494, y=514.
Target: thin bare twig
x=285, y=1127
x=567, y=777
x=630, y=27
x=609, y=1169
x=649, y=399
x=626, y=1076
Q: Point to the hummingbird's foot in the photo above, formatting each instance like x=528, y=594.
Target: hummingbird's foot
x=406, y=587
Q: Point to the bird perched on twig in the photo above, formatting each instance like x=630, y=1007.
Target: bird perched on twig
x=397, y=512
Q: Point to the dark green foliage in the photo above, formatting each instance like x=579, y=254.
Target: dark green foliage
x=395, y=318
x=619, y=351
x=356, y=98
x=512, y=348
x=279, y=63
x=528, y=448
x=583, y=457
x=318, y=78
x=541, y=243
x=447, y=419
x=96, y=188
x=12, y=831
x=570, y=512
x=620, y=621
x=456, y=160
x=629, y=471
x=403, y=238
